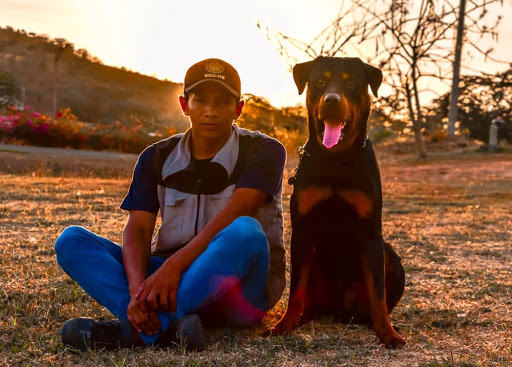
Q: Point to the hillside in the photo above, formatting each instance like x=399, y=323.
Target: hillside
x=49, y=75
x=46, y=71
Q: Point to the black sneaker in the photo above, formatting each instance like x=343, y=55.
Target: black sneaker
x=85, y=333
x=187, y=332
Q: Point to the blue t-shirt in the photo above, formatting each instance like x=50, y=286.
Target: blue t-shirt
x=259, y=166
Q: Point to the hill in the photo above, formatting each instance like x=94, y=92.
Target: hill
x=51, y=74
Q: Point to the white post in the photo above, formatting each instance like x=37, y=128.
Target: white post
x=493, y=134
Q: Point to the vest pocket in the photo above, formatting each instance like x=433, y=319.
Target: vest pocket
x=174, y=197
x=178, y=218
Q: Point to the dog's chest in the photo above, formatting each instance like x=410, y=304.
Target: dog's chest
x=333, y=191
x=329, y=199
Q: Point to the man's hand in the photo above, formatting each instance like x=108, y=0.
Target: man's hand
x=159, y=290
x=142, y=318
x=136, y=258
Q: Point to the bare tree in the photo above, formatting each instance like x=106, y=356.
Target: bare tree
x=59, y=47
x=411, y=41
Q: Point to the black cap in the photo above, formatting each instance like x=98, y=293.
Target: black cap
x=213, y=70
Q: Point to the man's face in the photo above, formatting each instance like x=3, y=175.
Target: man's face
x=211, y=109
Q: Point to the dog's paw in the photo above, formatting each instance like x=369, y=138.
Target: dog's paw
x=392, y=340
x=283, y=327
x=277, y=330
x=269, y=332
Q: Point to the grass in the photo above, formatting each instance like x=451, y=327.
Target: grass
x=448, y=217
x=11, y=151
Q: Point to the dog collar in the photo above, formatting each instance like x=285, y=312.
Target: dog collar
x=303, y=152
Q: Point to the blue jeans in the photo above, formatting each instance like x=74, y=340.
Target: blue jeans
x=225, y=285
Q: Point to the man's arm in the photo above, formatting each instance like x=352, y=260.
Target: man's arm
x=160, y=289
x=137, y=235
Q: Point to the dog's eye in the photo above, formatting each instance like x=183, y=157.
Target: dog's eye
x=351, y=85
x=320, y=83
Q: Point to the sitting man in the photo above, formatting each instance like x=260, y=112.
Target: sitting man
x=217, y=258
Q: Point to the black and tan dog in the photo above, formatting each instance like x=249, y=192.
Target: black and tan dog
x=341, y=265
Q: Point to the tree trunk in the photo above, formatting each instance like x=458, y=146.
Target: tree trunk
x=55, y=88
x=454, y=97
x=418, y=138
x=420, y=145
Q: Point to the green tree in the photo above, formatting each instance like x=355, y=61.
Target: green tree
x=482, y=98
x=8, y=89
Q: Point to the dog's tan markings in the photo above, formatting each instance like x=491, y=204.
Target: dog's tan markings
x=296, y=302
x=311, y=196
x=345, y=76
x=327, y=74
x=379, y=312
x=359, y=200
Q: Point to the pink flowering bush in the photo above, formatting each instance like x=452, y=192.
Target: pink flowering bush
x=66, y=131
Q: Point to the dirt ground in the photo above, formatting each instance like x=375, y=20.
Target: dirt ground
x=449, y=217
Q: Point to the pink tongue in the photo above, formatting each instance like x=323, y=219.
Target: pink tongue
x=331, y=134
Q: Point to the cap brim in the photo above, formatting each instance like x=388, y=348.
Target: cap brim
x=225, y=85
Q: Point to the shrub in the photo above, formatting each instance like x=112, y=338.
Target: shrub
x=66, y=131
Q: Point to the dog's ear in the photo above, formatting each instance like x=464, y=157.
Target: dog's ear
x=374, y=77
x=301, y=75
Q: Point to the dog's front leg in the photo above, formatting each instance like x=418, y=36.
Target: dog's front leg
x=373, y=269
x=302, y=253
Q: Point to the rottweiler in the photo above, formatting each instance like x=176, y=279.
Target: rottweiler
x=340, y=264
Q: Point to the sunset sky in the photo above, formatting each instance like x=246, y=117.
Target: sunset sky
x=163, y=38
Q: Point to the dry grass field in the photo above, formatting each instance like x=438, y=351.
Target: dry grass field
x=448, y=216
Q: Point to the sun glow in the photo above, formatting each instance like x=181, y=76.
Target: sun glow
x=163, y=38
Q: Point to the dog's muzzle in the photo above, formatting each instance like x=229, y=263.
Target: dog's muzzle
x=333, y=114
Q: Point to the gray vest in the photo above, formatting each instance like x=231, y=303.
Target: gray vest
x=184, y=214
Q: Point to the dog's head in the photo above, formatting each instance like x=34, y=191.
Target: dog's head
x=337, y=99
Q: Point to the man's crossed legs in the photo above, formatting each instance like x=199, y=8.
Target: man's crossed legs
x=225, y=286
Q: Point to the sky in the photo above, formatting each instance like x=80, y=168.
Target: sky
x=163, y=38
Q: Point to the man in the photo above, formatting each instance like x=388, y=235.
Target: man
x=217, y=257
